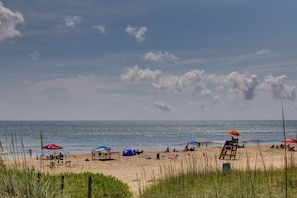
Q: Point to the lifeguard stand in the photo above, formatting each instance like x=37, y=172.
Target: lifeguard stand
x=229, y=149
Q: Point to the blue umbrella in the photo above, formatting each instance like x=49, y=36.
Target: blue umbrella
x=193, y=142
x=102, y=148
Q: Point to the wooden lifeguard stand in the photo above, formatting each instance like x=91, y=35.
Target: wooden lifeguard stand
x=229, y=149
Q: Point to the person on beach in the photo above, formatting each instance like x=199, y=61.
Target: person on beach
x=187, y=147
x=93, y=153
x=167, y=150
x=158, y=156
x=30, y=152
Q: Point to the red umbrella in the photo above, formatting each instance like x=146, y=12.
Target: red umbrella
x=52, y=147
x=290, y=140
x=234, y=132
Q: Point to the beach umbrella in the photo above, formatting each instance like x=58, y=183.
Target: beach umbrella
x=193, y=142
x=234, y=132
x=102, y=148
x=290, y=140
x=52, y=147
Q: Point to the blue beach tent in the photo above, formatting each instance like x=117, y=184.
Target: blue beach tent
x=128, y=152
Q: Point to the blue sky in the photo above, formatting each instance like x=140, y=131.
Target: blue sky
x=147, y=60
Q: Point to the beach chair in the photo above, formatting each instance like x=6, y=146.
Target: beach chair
x=291, y=148
x=52, y=164
x=175, y=156
x=68, y=164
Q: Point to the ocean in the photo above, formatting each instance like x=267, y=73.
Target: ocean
x=83, y=136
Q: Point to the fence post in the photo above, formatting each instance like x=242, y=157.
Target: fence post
x=38, y=177
x=62, y=184
x=90, y=187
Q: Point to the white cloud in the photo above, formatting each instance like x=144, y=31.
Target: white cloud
x=241, y=84
x=8, y=22
x=35, y=55
x=138, y=33
x=279, y=87
x=99, y=28
x=134, y=73
x=263, y=52
x=163, y=106
x=193, y=79
x=160, y=57
x=233, y=86
x=72, y=21
x=171, y=83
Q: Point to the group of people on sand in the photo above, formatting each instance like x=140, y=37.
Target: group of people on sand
x=283, y=146
x=192, y=148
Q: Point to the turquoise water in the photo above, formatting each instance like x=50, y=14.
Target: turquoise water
x=83, y=136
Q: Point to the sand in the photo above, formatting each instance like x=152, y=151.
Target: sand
x=139, y=171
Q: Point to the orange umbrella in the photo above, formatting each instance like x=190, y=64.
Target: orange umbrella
x=290, y=140
x=234, y=132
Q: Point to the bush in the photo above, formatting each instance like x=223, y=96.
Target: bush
x=102, y=186
x=28, y=183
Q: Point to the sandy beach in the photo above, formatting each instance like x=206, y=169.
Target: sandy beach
x=142, y=170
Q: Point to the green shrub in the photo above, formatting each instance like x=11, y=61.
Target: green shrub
x=29, y=183
x=102, y=186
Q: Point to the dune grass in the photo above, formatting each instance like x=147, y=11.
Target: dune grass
x=202, y=180
x=29, y=183
x=255, y=183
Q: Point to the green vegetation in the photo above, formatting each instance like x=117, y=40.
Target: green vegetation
x=203, y=182
x=28, y=183
x=76, y=185
x=252, y=183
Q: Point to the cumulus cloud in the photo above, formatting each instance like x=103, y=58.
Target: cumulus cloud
x=160, y=57
x=135, y=73
x=234, y=86
x=171, y=82
x=279, y=87
x=138, y=33
x=99, y=28
x=241, y=84
x=193, y=79
x=163, y=106
x=8, y=22
x=72, y=21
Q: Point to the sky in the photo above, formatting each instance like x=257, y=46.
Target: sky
x=148, y=60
